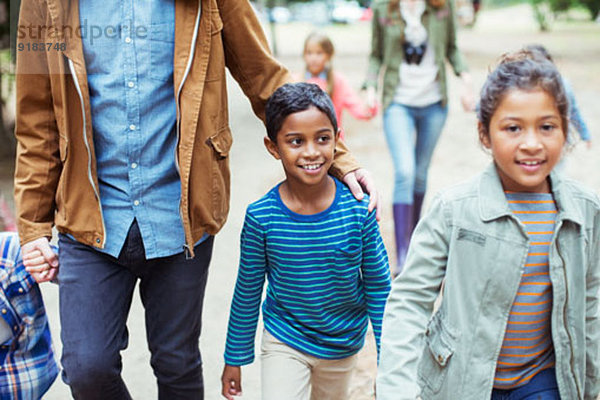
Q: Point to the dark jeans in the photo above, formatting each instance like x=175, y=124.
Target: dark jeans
x=543, y=386
x=95, y=297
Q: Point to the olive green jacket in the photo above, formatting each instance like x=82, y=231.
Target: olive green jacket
x=471, y=240
x=386, y=46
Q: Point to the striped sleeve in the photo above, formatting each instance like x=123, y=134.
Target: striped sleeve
x=376, y=274
x=245, y=306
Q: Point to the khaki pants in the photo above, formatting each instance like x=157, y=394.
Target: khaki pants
x=289, y=374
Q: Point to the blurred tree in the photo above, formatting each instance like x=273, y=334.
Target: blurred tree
x=593, y=6
x=545, y=9
x=541, y=13
x=9, y=10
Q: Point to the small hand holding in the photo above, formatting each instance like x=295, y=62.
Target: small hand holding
x=467, y=98
x=371, y=98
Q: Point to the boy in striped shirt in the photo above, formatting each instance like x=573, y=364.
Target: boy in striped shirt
x=323, y=257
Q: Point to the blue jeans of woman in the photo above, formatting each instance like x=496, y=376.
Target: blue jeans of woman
x=543, y=386
x=412, y=133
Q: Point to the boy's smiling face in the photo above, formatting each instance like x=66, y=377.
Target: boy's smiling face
x=305, y=145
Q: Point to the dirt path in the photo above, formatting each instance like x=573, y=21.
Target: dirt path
x=458, y=156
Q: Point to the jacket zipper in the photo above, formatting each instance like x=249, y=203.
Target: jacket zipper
x=564, y=310
x=87, y=146
x=188, y=67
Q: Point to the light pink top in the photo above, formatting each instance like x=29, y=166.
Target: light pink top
x=344, y=98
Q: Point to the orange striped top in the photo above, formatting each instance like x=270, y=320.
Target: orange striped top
x=527, y=348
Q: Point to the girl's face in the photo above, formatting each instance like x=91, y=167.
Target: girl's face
x=526, y=139
x=315, y=57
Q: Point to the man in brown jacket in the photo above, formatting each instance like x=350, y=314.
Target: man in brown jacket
x=123, y=144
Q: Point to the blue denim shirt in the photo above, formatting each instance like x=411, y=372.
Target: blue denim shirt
x=128, y=48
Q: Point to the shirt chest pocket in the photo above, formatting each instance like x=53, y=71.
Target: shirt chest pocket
x=347, y=262
x=477, y=256
x=162, y=49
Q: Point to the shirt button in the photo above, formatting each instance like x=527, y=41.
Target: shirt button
x=136, y=203
x=440, y=359
x=132, y=127
x=130, y=84
x=133, y=165
x=4, y=311
x=20, y=290
x=127, y=39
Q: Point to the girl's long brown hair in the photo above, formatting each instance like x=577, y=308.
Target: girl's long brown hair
x=327, y=46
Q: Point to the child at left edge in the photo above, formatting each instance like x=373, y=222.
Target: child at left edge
x=27, y=364
x=323, y=257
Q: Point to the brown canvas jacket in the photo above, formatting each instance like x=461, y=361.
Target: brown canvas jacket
x=55, y=179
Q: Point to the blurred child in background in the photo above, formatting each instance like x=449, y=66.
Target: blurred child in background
x=7, y=219
x=576, y=121
x=318, y=54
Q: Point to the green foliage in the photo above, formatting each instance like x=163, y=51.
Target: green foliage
x=593, y=6
x=560, y=5
x=542, y=16
x=545, y=10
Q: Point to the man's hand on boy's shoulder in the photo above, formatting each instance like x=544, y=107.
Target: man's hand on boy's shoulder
x=231, y=381
x=360, y=179
x=40, y=260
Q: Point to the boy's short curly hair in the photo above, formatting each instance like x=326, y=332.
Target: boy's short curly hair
x=296, y=97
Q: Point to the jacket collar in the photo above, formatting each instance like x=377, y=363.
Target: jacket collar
x=493, y=204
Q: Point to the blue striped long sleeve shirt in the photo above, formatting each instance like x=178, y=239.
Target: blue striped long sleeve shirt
x=327, y=273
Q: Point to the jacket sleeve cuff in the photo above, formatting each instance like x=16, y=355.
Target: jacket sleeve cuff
x=30, y=231
x=344, y=162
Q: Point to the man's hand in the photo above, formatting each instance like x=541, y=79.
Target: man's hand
x=361, y=179
x=231, y=382
x=39, y=260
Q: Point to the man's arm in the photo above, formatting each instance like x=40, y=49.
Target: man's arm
x=38, y=164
